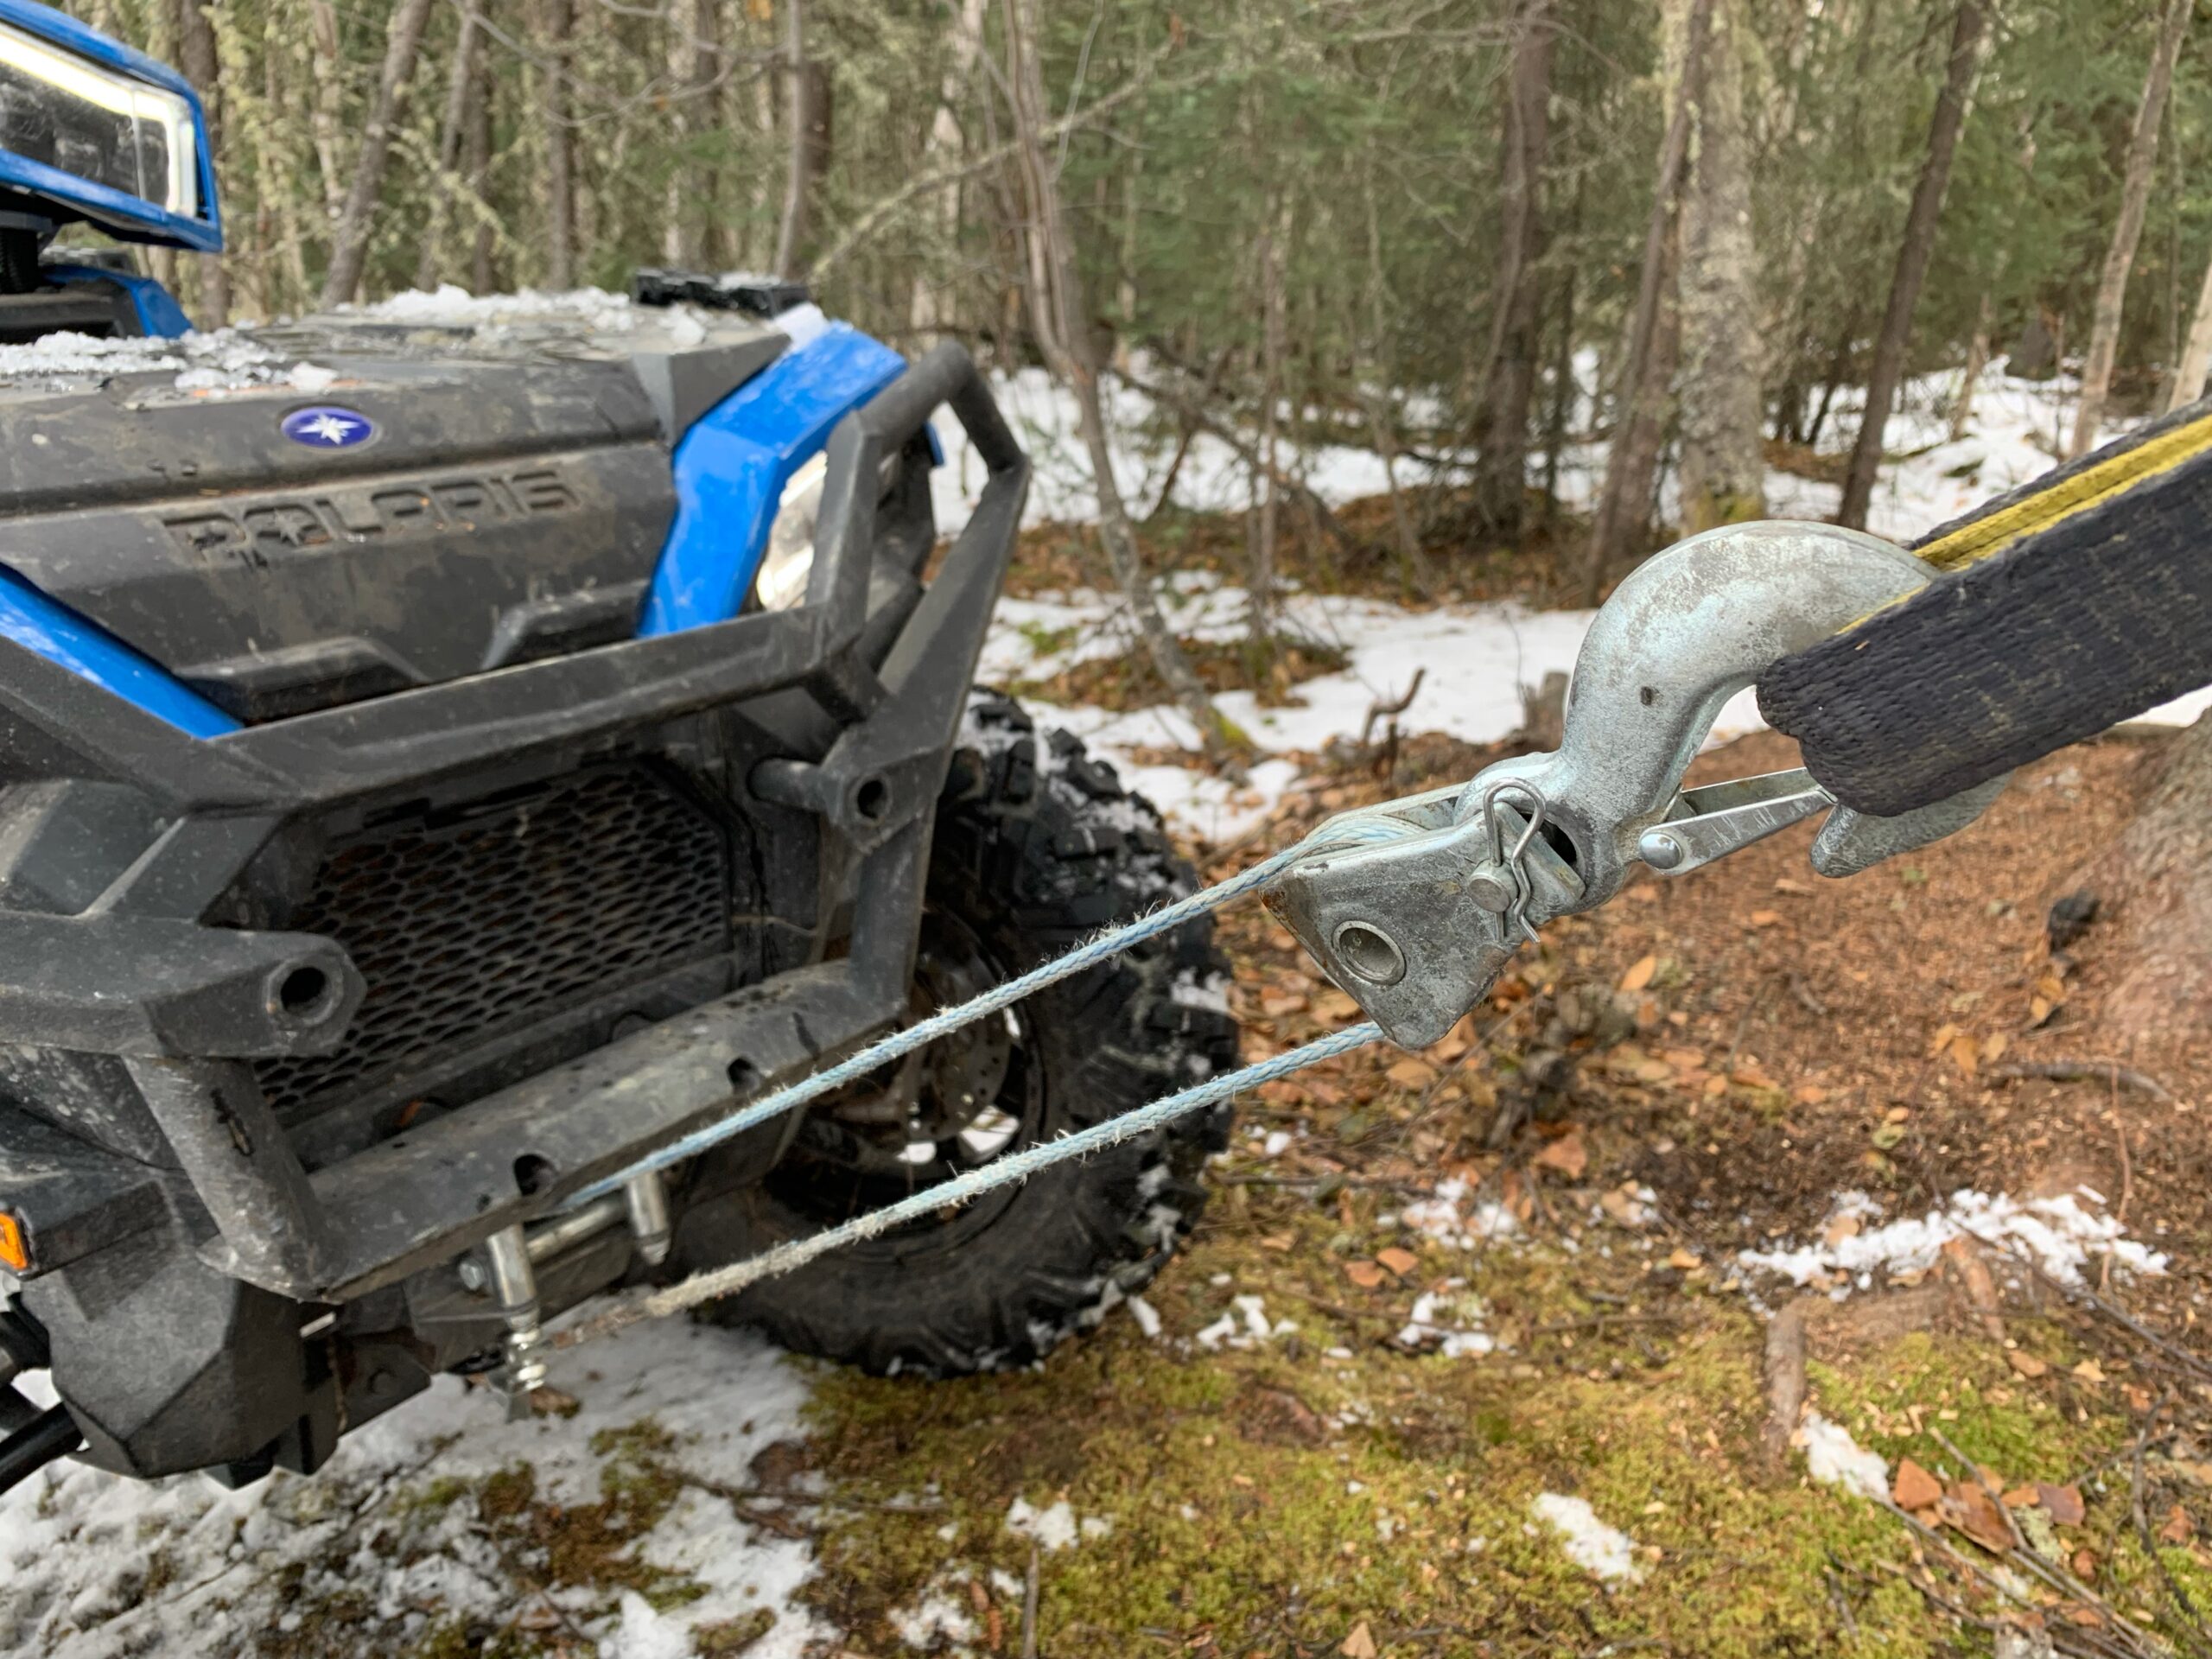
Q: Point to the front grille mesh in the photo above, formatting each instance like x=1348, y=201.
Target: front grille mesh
x=470, y=923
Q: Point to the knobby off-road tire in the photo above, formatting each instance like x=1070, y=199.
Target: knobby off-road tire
x=1037, y=846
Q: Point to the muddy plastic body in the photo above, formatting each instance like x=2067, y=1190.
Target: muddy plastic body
x=410, y=816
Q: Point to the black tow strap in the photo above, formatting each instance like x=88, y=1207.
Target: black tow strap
x=2076, y=601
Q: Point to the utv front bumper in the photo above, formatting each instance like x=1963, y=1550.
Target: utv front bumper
x=149, y=1026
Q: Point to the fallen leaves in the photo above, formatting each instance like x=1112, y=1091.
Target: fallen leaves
x=1639, y=974
x=1961, y=1048
x=1913, y=1488
x=1766, y=918
x=1367, y=1275
x=1567, y=1155
x=1966, y=1507
x=2045, y=995
x=2025, y=1363
x=1400, y=1261
x=1360, y=1644
x=2062, y=1503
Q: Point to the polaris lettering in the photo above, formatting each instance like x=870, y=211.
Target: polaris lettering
x=366, y=513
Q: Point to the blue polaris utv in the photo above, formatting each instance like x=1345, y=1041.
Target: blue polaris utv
x=444, y=758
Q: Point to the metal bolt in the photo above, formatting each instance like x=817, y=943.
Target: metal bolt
x=472, y=1275
x=1492, y=888
x=1659, y=850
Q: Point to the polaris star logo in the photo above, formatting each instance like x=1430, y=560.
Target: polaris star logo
x=326, y=427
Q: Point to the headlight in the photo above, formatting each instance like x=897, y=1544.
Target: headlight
x=789, y=558
x=97, y=123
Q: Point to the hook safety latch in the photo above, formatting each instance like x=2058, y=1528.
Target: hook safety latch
x=1415, y=907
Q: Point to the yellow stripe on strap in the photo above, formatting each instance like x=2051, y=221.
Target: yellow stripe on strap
x=2091, y=486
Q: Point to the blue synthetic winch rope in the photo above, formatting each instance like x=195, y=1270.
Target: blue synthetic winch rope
x=943, y=1023
x=1364, y=828
x=1000, y=1172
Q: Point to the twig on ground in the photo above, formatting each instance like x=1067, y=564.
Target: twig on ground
x=1382, y=709
x=1029, y=1607
x=2024, y=1553
x=1806, y=1000
x=1843, y=1613
x=2071, y=1070
x=1785, y=1383
x=2118, y=1315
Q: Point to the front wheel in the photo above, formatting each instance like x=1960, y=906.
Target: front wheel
x=1037, y=846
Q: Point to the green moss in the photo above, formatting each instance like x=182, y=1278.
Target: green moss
x=1234, y=1515
x=731, y=1636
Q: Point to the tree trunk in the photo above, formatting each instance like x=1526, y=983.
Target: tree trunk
x=325, y=60
x=2156, y=884
x=476, y=160
x=1261, y=622
x=2196, y=355
x=349, y=245
x=463, y=86
x=693, y=58
x=1517, y=319
x=808, y=109
x=2134, y=198
x=556, y=30
x=1920, y=222
x=926, y=310
x=1977, y=360
x=1382, y=419
x=1623, y=512
x=1723, y=466
x=1059, y=316
x=198, y=57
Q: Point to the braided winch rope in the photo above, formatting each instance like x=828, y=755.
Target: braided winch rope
x=1353, y=830
x=718, y=1282
x=1371, y=827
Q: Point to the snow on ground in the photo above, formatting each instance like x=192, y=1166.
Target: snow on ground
x=1833, y=1458
x=1606, y=1553
x=77, y=1545
x=1475, y=658
x=2060, y=1235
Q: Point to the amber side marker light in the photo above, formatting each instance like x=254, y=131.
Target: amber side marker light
x=15, y=1252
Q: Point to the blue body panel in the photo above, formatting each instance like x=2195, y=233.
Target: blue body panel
x=58, y=634
x=733, y=464
x=160, y=316
x=126, y=216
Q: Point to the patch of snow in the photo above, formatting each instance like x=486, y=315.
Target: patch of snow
x=1254, y=1311
x=1221, y=1329
x=1440, y=1216
x=1605, y=1552
x=1449, y=1320
x=1476, y=657
x=1147, y=1316
x=75, y=1541
x=1833, y=1458
x=644, y=1634
x=933, y=1617
x=2059, y=1234
x=1054, y=1529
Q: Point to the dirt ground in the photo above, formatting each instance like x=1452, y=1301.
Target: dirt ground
x=1339, y=1485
